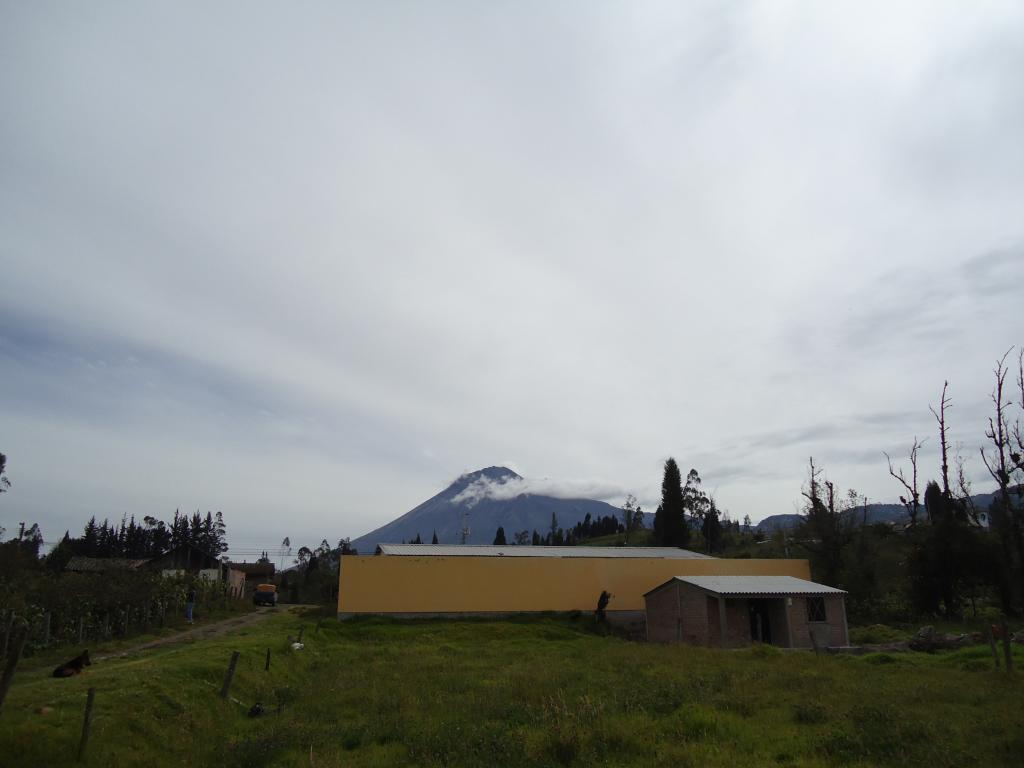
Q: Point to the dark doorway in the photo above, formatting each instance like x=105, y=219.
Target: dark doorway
x=760, y=625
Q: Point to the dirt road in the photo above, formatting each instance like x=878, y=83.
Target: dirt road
x=203, y=632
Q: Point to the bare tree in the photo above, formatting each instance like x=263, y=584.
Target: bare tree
x=912, y=501
x=998, y=433
x=940, y=416
x=826, y=531
x=964, y=487
x=1000, y=465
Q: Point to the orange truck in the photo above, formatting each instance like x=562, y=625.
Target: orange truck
x=265, y=594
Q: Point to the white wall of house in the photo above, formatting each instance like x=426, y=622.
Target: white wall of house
x=210, y=574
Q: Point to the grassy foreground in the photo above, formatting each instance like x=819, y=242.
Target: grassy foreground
x=525, y=692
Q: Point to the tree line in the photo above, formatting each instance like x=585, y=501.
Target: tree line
x=954, y=555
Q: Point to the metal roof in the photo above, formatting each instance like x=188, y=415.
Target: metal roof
x=736, y=586
x=483, y=550
x=83, y=564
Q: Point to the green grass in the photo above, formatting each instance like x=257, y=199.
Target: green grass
x=537, y=691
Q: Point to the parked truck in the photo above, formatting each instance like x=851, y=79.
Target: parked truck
x=265, y=594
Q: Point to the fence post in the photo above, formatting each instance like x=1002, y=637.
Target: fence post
x=1007, y=650
x=12, y=663
x=7, y=633
x=230, y=675
x=992, y=646
x=86, y=723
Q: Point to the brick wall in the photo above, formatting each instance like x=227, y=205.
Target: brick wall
x=679, y=612
x=693, y=613
x=663, y=615
x=834, y=610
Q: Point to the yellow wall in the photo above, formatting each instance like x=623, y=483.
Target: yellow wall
x=407, y=584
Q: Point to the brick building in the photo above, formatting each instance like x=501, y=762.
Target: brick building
x=731, y=611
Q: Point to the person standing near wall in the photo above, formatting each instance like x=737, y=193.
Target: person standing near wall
x=190, y=603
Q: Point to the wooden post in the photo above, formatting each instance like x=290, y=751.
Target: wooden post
x=722, y=626
x=230, y=675
x=7, y=634
x=12, y=663
x=266, y=667
x=992, y=646
x=86, y=724
x=1007, y=650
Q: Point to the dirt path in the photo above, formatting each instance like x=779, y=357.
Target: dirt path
x=204, y=632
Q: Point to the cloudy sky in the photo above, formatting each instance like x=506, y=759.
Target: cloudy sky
x=307, y=262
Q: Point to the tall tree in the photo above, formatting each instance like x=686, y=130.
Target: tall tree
x=499, y=536
x=220, y=533
x=91, y=538
x=711, y=527
x=826, y=532
x=912, y=500
x=4, y=482
x=628, y=515
x=1006, y=513
x=671, y=528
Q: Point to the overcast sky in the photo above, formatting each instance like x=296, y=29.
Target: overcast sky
x=305, y=263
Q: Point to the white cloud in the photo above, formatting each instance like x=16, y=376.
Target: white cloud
x=511, y=487
x=589, y=236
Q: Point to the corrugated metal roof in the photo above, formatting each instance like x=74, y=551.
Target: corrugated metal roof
x=483, y=550
x=755, y=585
x=84, y=564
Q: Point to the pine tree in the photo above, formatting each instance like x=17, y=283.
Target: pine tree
x=91, y=537
x=499, y=537
x=220, y=531
x=535, y=539
x=434, y=540
x=207, y=537
x=711, y=527
x=670, y=525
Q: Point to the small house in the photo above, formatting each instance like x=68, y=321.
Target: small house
x=187, y=560
x=253, y=574
x=82, y=564
x=733, y=611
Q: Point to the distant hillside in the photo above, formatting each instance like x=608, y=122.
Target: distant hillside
x=877, y=513
x=444, y=513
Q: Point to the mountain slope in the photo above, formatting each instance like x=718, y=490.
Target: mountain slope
x=444, y=513
x=877, y=513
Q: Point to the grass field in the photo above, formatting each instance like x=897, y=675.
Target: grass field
x=546, y=691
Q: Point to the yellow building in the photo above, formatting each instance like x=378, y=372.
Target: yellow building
x=434, y=580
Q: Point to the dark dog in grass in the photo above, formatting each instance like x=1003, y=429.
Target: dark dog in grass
x=73, y=667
